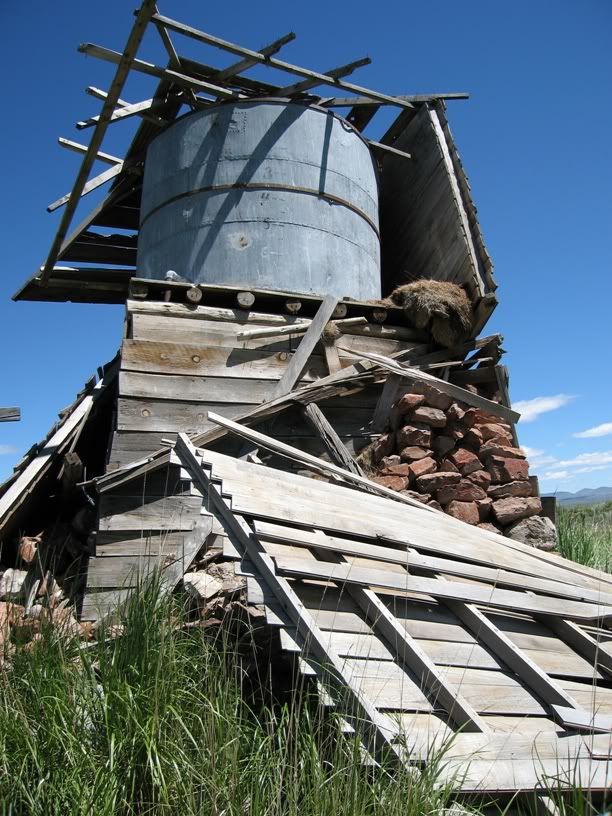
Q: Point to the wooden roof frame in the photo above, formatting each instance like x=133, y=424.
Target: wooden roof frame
x=181, y=82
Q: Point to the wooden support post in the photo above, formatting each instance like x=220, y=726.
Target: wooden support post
x=335, y=447
x=332, y=358
x=305, y=348
x=382, y=412
x=72, y=472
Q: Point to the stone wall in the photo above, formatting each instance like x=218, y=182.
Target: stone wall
x=461, y=460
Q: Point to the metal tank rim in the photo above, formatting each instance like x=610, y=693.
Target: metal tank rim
x=275, y=100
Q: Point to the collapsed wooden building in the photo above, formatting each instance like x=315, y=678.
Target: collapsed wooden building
x=300, y=403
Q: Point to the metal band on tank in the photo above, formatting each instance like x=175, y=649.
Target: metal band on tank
x=282, y=187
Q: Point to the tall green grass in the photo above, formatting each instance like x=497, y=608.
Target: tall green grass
x=585, y=534
x=160, y=721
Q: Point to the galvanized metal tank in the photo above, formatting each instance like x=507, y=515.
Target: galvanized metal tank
x=265, y=194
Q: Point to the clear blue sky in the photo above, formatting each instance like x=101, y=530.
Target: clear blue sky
x=534, y=138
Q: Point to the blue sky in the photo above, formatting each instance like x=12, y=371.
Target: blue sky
x=534, y=138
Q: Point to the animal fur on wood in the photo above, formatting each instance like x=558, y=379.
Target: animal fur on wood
x=440, y=306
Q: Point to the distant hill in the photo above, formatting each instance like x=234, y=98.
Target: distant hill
x=584, y=496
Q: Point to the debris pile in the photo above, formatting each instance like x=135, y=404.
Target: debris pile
x=462, y=460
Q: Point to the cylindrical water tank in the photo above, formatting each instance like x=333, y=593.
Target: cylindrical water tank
x=265, y=194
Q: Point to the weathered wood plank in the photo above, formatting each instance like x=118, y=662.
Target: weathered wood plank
x=166, y=513
x=295, y=369
x=187, y=388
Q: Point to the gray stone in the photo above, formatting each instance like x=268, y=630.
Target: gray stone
x=11, y=584
x=537, y=531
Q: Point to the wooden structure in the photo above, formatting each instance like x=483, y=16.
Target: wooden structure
x=225, y=401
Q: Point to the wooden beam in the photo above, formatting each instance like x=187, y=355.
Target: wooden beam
x=81, y=148
x=98, y=93
x=446, y=590
x=313, y=461
x=296, y=328
x=126, y=111
x=91, y=185
x=329, y=666
x=168, y=74
x=334, y=73
x=175, y=60
x=335, y=447
x=580, y=641
x=382, y=412
x=383, y=148
x=244, y=64
x=142, y=18
x=306, y=347
x=233, y=48
x=351, y=101
x=578, y=720
x=10, y=414
x=500, y=644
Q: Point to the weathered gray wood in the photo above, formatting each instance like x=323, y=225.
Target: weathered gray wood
x=175, y=358
x=374, y=734
x=581, y=641
x=579, y=720
x=322, y=79
x=142, y=18
x=529, y=672
x=332, y=441
x=76, y=147
x=166, y=513
x=387, y=398
x=91, y=185
x=300, y=328
x=307, y=345
x=186, y=388
x=448, y=590
x=409, y=558
x=10, y=414
x=313, y=461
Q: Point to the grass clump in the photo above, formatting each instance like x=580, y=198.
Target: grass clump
x=585, y=534
x=159, y=721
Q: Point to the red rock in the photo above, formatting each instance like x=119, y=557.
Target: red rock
x=490, y=528
x=465, y=460
x=421, y=467
x=493, y=448
x=507, y=470
x=482, y=478
x=469, y=418
x=463, y=491
x=409, y=402
x=433, y=397
x=464, y=511
x=387, y=461
x=455, y=432
x=430, y=416
x=434, y=481
x=449, y=467
x=507, y=511
x=423, y=498
x=472, y=439
x=412, y=454
x=392, y=482
x=490, y=430
x=482, y=417
x=383, y=447
x=413, y=435
x=455, y=413
x=403, y=469
x=484, y=508
x=443, y=444
x=502, y=491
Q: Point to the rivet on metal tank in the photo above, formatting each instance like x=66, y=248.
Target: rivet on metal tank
x=265, y=194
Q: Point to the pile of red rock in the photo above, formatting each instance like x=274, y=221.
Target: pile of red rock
x=461, y=460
